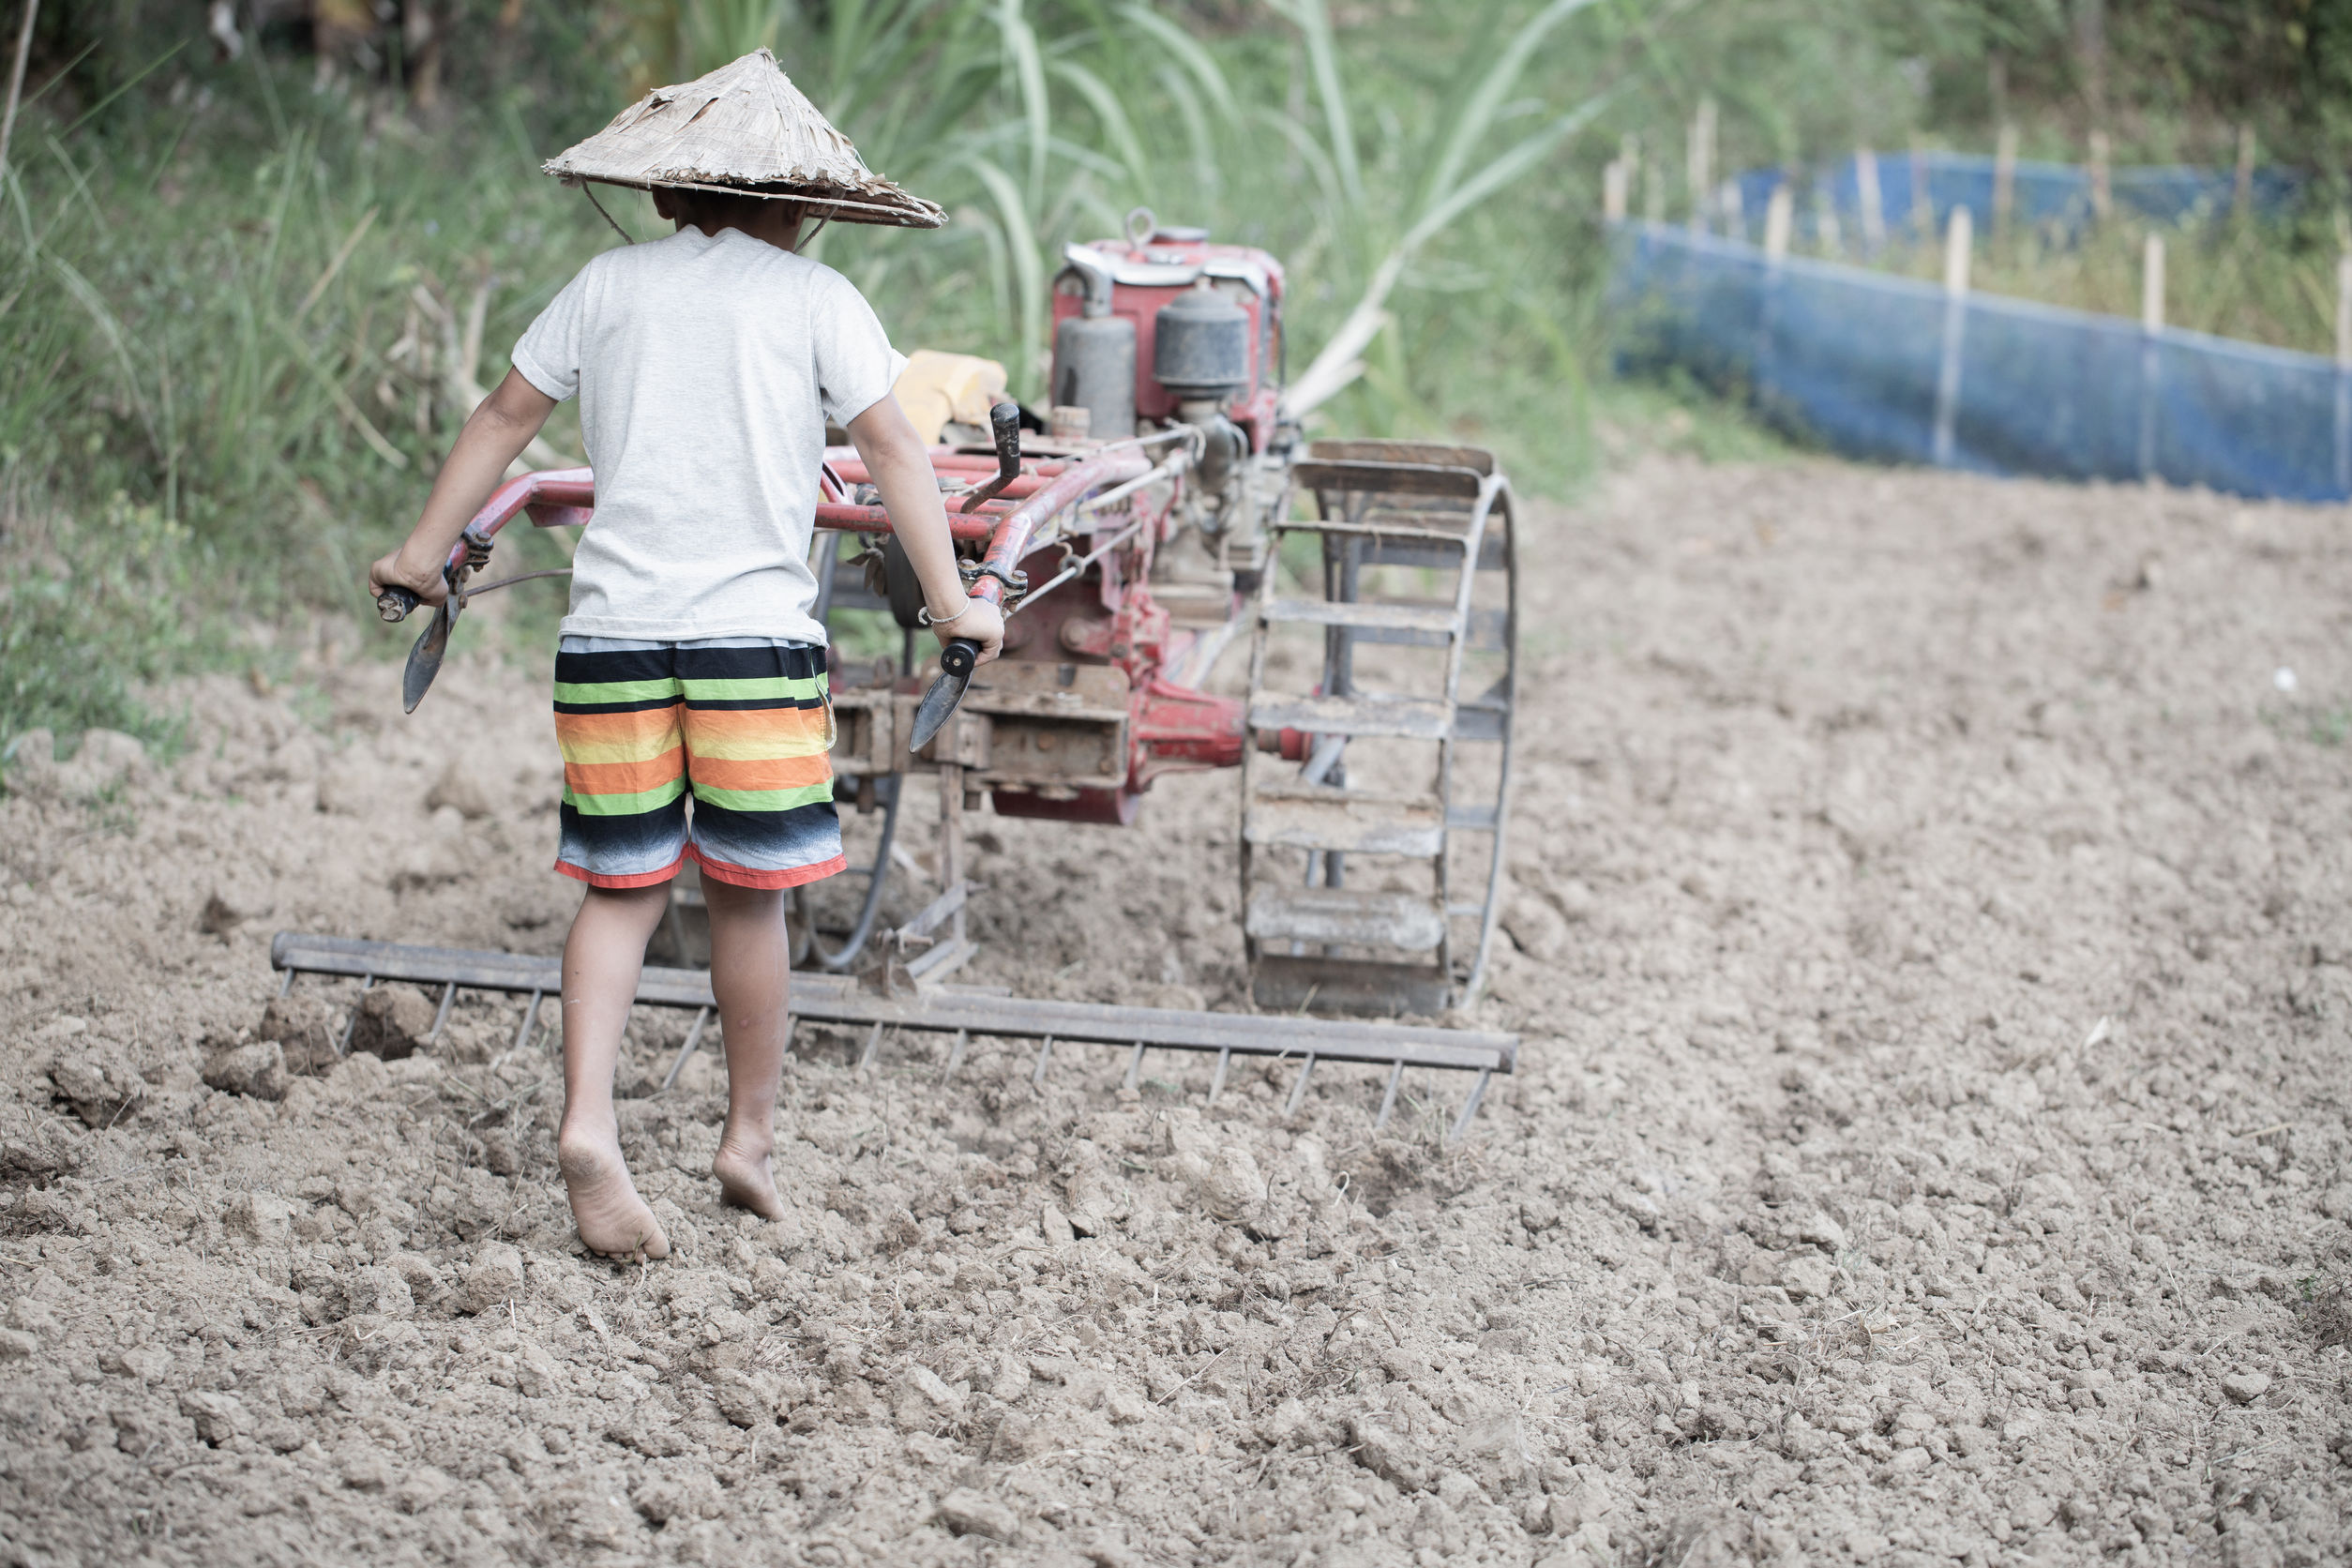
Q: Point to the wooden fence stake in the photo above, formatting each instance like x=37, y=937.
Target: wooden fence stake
x=2102, y=201
x=2344, y=373
x=2241, y=190
x=1613, y=180
x=2004, y=179
x=1923, y=204
x=1780, y=218
x=2152, y=328
x=1958, y=240
x=1874, y=210
x=1700, y=158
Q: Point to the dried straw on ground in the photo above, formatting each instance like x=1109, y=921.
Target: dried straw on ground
x=744, y=129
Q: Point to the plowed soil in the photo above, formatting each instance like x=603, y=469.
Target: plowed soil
x=1930, y=933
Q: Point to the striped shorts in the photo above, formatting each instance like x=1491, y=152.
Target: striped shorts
x=741, y=725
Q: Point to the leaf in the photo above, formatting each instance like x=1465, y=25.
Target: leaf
x=1189, y=54
x=1021, y=242
x=1314, y=24
x=1478, y=111
x=1105, y=103
x=1020, y=43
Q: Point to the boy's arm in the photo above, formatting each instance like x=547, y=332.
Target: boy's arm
x=900, y=466
x=495, y=436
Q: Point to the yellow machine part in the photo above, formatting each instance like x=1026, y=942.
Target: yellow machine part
x=937, y=388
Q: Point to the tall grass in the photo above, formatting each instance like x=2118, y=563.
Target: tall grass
x=249, y=300
x=2270, y=282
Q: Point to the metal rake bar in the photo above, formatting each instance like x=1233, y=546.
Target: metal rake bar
x=955, y=1010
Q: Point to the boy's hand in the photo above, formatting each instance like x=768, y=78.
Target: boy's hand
x=495, y=436
x=980, y=622
x=429, y=586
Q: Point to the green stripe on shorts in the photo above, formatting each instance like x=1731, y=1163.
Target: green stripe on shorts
x=614, y=691
x=626, y=806
x=766, y=800
x=766, y=688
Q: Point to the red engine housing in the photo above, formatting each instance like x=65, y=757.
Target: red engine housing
x=1148, y=275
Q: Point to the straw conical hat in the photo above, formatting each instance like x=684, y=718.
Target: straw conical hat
x=744, y=130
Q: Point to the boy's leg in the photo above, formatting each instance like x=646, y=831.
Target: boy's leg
x=757, y=729
x=750, y=976
x=602, y=960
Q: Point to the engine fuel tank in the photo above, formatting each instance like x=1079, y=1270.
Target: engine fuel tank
x=1093, y=368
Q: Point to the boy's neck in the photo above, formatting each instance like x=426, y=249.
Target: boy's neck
x=772, y=227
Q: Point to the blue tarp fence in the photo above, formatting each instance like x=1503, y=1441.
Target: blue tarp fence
x=1897, y=370
x=2055, y=198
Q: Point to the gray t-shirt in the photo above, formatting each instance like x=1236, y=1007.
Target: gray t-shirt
x=705, y=369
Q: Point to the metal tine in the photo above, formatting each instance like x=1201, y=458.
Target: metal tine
x=1298, y=1090
x=1388, y=1096
x=351, y=1025
x=1469, y=1107
x=1217, y=1084
x=530, y=1017
x=955, y=1055
x=792, y=1026
x=1045, y=1054
x=441, y=1015
x=694, y=1038
x=286, y=984
x=1135, y=1066
x=866, y=1058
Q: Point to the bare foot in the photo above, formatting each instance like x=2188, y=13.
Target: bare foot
x=612, y=1219
x=745, y=1179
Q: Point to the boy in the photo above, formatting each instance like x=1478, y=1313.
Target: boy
x=706, y=364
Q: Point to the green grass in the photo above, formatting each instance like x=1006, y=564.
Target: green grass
x=247, y=302
x=90, y=613
x=2268, y=282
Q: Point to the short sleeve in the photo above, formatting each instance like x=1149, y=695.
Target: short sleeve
x=856, y=366
x=548, y=352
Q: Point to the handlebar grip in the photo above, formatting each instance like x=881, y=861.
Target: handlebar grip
x=395, y=604
x=959, y=655
x=1004, y=423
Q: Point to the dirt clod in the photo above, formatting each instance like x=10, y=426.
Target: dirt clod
x=969, y=1513
x=1233, y=1189
x=460, y=788
x=495, y=1279
x=258, y=1069
x=306, y=1027
x=2244, y=1388
x=100, y=1080
x=394, y=1022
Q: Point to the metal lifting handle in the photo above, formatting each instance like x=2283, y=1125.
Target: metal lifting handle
x=1004, y=425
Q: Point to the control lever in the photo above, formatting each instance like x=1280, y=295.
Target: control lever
x=1004, y=424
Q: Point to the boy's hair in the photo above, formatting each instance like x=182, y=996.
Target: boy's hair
x=715, y=210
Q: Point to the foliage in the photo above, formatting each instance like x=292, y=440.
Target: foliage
x=2271, y=283
x=83, y=619
x=253, y=296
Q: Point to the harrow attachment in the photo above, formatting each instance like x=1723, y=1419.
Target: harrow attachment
x=963, y=1013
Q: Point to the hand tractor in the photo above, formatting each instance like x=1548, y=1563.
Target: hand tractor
x=1133, y=531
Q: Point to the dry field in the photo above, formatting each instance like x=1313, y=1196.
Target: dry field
x=1930, y=937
